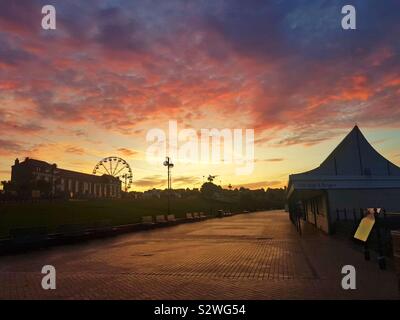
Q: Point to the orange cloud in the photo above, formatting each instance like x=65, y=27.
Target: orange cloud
x=127, y=152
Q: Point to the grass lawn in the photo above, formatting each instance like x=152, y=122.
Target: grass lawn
x=96, y=212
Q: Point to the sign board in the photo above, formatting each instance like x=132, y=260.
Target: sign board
x=365, y=227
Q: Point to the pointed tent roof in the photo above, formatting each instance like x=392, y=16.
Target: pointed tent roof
x=353, y=164
x=355, y=156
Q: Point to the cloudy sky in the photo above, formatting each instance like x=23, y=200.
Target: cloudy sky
x=112, y=70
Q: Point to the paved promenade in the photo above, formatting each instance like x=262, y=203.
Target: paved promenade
x=249, y=256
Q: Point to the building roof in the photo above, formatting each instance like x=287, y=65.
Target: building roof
x=68, y=174
x=36, y=163
x=353, y=163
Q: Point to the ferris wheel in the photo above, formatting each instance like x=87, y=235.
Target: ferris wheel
x=116, y=167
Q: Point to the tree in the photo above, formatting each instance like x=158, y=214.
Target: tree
x=209, y=189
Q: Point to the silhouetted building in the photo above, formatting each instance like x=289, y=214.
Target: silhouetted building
x=38, y=178
x=354, y=176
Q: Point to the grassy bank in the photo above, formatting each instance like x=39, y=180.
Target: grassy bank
x=95, y=212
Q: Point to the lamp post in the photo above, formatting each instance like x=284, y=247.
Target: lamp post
x=169, y=165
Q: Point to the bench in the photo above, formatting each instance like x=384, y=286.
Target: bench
x=147, y=220
x=25, y=236
x=160, y=219
x=189, y=215
x=171, y=218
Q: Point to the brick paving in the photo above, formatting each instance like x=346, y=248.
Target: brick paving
x=251, y=256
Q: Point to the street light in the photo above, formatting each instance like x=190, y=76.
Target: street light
x=169, y=165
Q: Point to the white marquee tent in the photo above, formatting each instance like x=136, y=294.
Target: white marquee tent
x=353, y=176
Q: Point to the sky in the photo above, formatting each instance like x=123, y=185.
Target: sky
x=113, y=70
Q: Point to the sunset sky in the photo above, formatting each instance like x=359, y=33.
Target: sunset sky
x=112, y=70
